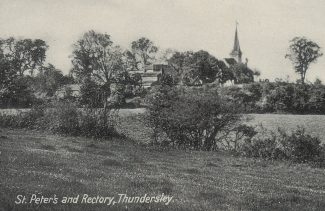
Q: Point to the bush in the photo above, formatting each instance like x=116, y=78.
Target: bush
x=22, y=119
x=96, y=123
x=278, y=97
x=296, y=146
x=189, y=117
x=63, y=117
x=299, y=146
x=231, y=138
x=266, y=148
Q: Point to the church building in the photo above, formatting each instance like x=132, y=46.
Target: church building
x=236, y=52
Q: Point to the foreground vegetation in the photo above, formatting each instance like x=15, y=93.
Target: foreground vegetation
x=195, y=140
x=180, y=118
x=35, y=162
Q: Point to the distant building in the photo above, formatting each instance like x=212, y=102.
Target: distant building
x=235, y=61
x=236, y=52
x=151, y=73
x=70, y=90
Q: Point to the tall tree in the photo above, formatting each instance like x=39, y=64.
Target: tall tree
x=25, y=55
x=205, y=66
x=142, y=53
x=303, y=52
x=193, y=66
x=96, y=57
x=178, y=62
x=7, y=77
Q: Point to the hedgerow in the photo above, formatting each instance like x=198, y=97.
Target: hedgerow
x=64, y=117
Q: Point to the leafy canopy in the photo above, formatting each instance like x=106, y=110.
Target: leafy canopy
x=142, y=53
x=25, y=54
x=302, y=52
x=95, y=56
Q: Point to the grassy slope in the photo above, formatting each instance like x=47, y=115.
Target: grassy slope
x=33, y=162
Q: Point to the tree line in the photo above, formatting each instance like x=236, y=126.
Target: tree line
x=105, y=70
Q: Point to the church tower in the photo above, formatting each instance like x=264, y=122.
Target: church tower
x=236, y=52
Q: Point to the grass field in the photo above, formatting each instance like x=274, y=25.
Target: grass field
x=43, y=164
x=314, y=124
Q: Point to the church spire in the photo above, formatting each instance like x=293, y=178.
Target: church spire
x=236, y=52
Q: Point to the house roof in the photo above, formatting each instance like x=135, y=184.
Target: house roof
x=72, y=87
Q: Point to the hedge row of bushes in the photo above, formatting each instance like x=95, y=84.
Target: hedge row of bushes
x=296, y=146
x=64, y=118
x=269, y=97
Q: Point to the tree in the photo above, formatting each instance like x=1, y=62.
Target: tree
x=178, y=61
x=7, y=78
x=131, y=61
x=49, y=79
x=90, y=94
x=165, y=55
x=7, y=73
x=142, y=53
x=303, y=52
x=26, y=54
x=16, y=57
x=96, y=57
x=242, y=74
x=189, y=67
x=13, y=90
x=204, y=66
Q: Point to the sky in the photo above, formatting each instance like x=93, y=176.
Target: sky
x=265, y=27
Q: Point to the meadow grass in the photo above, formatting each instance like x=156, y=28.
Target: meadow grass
x=314, y=124
x=35, y=162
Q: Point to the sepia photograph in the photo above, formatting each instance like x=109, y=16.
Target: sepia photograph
x=176, y=105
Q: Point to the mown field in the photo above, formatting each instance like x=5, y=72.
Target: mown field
x=44, y=164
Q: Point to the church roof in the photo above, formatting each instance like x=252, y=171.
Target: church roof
x=230, y=61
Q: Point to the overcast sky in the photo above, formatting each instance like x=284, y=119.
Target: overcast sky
x=265, y=27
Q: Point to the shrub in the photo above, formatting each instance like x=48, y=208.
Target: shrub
x=266, y=148
x=278, y=96
x=22, y=119
x=91, y=94
x=8, y=120
x=296, y=146
x=189, y=117
x=96, y=123
x=299, y=146
x=61, y=117
x=232, y=138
